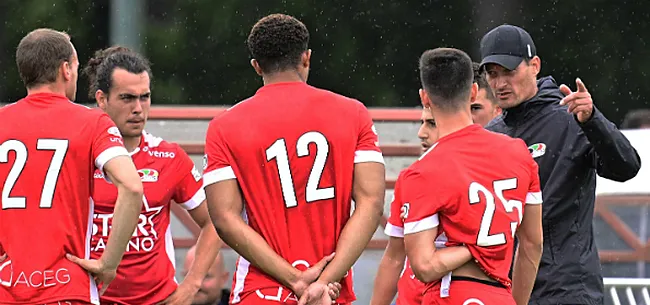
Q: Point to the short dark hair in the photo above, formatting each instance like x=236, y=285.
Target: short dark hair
x=447, y=77
x=100, y=67
x=277, y=41
x=636, y=119
x=40, y=54
x=479, y=78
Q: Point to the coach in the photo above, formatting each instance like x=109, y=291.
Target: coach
x=572, y=142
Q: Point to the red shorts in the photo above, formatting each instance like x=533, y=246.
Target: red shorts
x=469, y=292
x=68, y=303
x=272, y=296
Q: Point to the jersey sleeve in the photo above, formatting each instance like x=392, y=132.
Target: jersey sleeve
x=189, y=191
x=217, y=165
x=421, y=203
x=367, y=149
x=395, y=224
x=107, y=143
x=534, y=195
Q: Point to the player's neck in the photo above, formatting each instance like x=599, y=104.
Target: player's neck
x=448, y=123
x=283, y=77
x=131, y=143
x=47, y=88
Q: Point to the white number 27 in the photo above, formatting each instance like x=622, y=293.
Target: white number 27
x=484, y=238
x=278, y=151
x=60, y=147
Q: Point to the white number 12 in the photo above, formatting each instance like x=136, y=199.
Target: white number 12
x=278, y=151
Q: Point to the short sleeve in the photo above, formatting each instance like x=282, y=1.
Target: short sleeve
x=217, y=157
x=395, y=224
x=534, y=195
x=421, y=205
x=189, y=191
x=106, y=143
x=367, y=149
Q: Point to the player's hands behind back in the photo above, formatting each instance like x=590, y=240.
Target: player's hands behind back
x=320, y=293
x=102, y=273
x=310, y=275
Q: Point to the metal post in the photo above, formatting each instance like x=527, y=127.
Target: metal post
x=127, y=18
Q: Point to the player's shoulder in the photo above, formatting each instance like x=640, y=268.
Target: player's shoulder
x=400, y=177
x=423, y=168
x=82, y=112
x=233, y=113
x=340, y=99
x=501, y=139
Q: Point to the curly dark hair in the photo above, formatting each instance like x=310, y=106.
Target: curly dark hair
x=277, y=41
x=99, y=69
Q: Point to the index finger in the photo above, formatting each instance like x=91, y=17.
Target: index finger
x=581, y=85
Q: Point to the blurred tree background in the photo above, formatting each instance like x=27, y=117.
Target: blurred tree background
x=367, y=49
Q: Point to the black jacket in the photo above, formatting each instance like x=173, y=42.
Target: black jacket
x=569, y=159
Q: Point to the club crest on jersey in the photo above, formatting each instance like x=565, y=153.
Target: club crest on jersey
x=537, y=150
x=114, y=131
x=148, y=175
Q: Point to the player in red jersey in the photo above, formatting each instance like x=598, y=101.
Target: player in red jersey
x=49, y=149
x=292, y=158
x=477, y=189
x=395, y=274
x=120, y=83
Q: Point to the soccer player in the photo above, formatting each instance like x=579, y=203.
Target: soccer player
x=474, y=188
x=292, y=158
x=395, y=275
x=120, y=83
x=485, y=107
x=49, y=149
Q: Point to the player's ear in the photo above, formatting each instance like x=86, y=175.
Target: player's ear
x=256, y=66
x=306, y=58
x=66, y=70
x=474, y=93
x=424, y=98
x=102, y=99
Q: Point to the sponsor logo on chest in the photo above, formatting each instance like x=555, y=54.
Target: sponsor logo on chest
x=160, y=154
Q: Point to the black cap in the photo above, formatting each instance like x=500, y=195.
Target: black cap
x=506, y=45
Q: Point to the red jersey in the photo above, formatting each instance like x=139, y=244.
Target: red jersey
x=409, y=288
x=146, y=273
x=474, y=184
x=49, y=149
x=292, y=149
